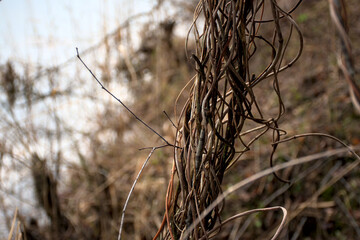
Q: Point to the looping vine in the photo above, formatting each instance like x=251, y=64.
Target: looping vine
x=222, y=101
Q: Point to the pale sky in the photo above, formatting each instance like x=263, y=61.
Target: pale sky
x=46, y=32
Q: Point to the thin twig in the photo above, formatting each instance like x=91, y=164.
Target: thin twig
x=320, y=135
x=117, y=99
x=170, y=119
x=131, y=191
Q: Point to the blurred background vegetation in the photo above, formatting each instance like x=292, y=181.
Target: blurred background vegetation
x=69, y=153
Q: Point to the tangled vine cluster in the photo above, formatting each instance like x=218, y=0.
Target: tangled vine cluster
x=211, y=133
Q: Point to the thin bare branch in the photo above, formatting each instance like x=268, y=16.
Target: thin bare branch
x=117, y=99
x=131, y=191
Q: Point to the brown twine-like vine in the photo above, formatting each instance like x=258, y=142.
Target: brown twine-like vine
x=211, y=134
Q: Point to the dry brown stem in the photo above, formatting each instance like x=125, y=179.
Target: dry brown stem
x=222, y=103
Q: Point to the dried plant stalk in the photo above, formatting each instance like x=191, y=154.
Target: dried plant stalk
x=211, y=135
